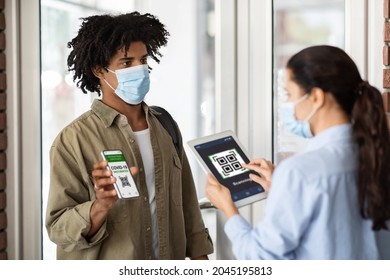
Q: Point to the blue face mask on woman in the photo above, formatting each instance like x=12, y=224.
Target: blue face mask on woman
x=300, y=128
x=133, y=83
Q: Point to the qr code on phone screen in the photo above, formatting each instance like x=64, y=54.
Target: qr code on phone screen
x=124, y=180
x=228, y=163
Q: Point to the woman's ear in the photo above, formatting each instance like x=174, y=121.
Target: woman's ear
x=99, y=72
x=317, y=96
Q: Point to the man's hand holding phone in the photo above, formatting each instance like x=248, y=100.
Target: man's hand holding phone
x=124, y=184
x=104, y=184
x=106, y=195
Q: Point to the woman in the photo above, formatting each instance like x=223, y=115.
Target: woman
x=326, y=202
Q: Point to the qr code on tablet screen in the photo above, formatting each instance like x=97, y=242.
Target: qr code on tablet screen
x=228, y=163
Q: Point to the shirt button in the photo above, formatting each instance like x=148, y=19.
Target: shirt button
x=141, y=169
x=132, y=140
x=148, y=229
x=145, y=198
x=123, y=121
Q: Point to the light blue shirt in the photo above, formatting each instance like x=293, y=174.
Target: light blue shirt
x=312, y=208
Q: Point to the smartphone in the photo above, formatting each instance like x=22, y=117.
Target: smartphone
x=124, y=185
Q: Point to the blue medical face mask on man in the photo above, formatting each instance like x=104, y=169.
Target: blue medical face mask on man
x=133, y=83
x=298, y=127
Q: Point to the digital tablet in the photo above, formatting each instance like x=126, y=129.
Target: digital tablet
x=222, y=154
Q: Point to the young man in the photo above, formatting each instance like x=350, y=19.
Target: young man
x=84, y=216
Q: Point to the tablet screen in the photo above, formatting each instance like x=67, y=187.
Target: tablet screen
x=223, y=158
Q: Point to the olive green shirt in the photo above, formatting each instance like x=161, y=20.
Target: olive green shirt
x=126, y=233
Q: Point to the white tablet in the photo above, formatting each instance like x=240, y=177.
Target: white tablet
x=222, y=155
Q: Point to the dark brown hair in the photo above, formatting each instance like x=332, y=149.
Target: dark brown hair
x=101, y=36
x=332, y=70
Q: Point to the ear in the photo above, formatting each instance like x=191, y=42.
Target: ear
x=99, y=71
x=317, y=96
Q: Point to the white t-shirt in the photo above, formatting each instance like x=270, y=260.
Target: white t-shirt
x=143, y=140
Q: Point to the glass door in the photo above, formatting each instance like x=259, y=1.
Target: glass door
x=297, y=25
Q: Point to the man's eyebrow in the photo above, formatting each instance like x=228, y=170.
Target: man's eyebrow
x=126, y=58
x=132, y=57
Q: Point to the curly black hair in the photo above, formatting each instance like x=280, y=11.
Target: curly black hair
x=101, y=36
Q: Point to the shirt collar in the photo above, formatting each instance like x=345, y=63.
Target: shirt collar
x=108, y=114
x=341, y=132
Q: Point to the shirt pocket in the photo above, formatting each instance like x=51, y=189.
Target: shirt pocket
x=175, y=182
